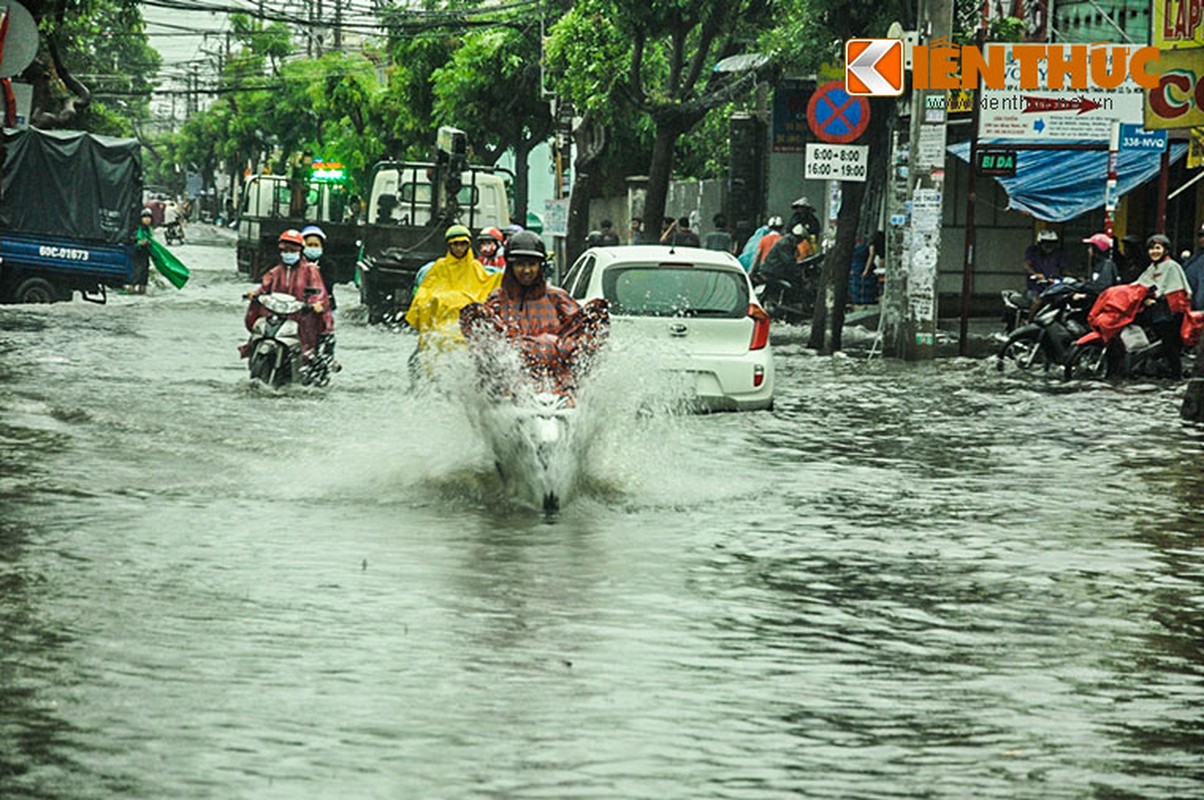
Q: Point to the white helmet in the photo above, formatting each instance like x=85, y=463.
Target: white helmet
x=774, y=222
x=1047, y=236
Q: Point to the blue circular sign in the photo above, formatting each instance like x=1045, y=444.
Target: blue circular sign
x=835, y=116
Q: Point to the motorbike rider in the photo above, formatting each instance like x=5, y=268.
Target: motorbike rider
x=783, y=258
x=315, y=247
x=803, y=213
x=1043, y=262
x=1164, y=311
x=553, y=334
x=453, y=281
x=1102, y=270
x=301, y=278
x=490, y=252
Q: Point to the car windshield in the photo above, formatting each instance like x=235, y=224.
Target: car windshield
x=675, y=290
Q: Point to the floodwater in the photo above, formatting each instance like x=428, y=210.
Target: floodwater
x=906, y=581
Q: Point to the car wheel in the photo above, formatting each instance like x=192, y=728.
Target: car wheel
x=36, y=290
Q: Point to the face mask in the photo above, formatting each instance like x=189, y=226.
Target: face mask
x=313, y=253
x=290, y=258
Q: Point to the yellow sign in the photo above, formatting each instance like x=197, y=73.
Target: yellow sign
x=1176, y=23
x=960, y=101
x=1195, y=149
x=1178, y=99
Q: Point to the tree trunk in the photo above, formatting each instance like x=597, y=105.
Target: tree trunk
x=827, y=324
x=834, y=280
x=522, y=183
x=660, y=171
x=589, y=141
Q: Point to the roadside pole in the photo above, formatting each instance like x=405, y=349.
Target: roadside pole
x=1110, y=196
x=909, y=319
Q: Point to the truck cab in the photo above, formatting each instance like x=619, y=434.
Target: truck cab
x=410, y=205
x=265, y=213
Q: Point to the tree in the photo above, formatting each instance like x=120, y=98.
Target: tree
x=105, y=38
x=491, y=88
x=657, y=56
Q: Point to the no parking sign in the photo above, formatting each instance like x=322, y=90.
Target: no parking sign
x=836, y=116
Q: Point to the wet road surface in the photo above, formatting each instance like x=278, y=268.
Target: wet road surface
x=906, y=581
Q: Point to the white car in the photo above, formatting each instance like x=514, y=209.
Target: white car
x=695, y=307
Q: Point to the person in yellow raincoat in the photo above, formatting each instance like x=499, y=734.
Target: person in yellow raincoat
x=454, y=281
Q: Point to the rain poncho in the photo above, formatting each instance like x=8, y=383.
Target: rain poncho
x=450, y=285
x=553, y=334
x=296, y=280
x=164, y=260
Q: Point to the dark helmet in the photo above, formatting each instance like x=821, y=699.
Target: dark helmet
x=1158, y=238
x=593, y=239
x=526, y=243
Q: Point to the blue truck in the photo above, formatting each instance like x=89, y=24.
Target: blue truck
x=69, y=208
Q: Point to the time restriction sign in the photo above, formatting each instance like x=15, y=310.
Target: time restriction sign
x=836, y=162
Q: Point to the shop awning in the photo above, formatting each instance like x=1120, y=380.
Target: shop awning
x=1059, y=185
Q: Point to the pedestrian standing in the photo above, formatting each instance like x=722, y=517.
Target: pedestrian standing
x=142, y=245
x=1193, y=268
x=720, y=238
x=609, y=237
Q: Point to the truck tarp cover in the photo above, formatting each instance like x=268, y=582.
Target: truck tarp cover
x=68, y=183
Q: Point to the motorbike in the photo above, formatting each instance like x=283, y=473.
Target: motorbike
x=791, y=297
x=1017, y=305
x=173, y=233
x=1046, y=339
x=274, y=349
x=532, y=439
x=1135, y=352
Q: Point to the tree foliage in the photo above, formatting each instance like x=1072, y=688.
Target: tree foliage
x=94, y=68
x=655, y=57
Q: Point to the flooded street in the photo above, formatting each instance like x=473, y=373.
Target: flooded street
x=906, y=581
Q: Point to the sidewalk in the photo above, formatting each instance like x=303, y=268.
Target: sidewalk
x=861, y=330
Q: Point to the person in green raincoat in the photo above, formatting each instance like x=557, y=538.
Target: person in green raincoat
x=142, y=254
x=147, y=251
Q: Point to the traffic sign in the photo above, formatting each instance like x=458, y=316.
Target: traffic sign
x=20, y=43
x=1135, y=137
x=835, y=116
x=836, y=162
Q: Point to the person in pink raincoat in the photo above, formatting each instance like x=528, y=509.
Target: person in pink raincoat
x=303, y=280
x=554, y=335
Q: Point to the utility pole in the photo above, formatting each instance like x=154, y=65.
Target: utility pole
x=918, y=178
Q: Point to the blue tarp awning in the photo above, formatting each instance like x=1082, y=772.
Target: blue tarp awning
x=1059, y=185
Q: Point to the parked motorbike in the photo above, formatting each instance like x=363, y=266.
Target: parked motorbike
x=274, y=349
x=1017, y=306
x=1046, y=339
x=791, y=297
x=174, y=233
x=1135, y=352
x=533, y=446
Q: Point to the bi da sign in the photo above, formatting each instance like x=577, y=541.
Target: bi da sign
x=993, y=161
